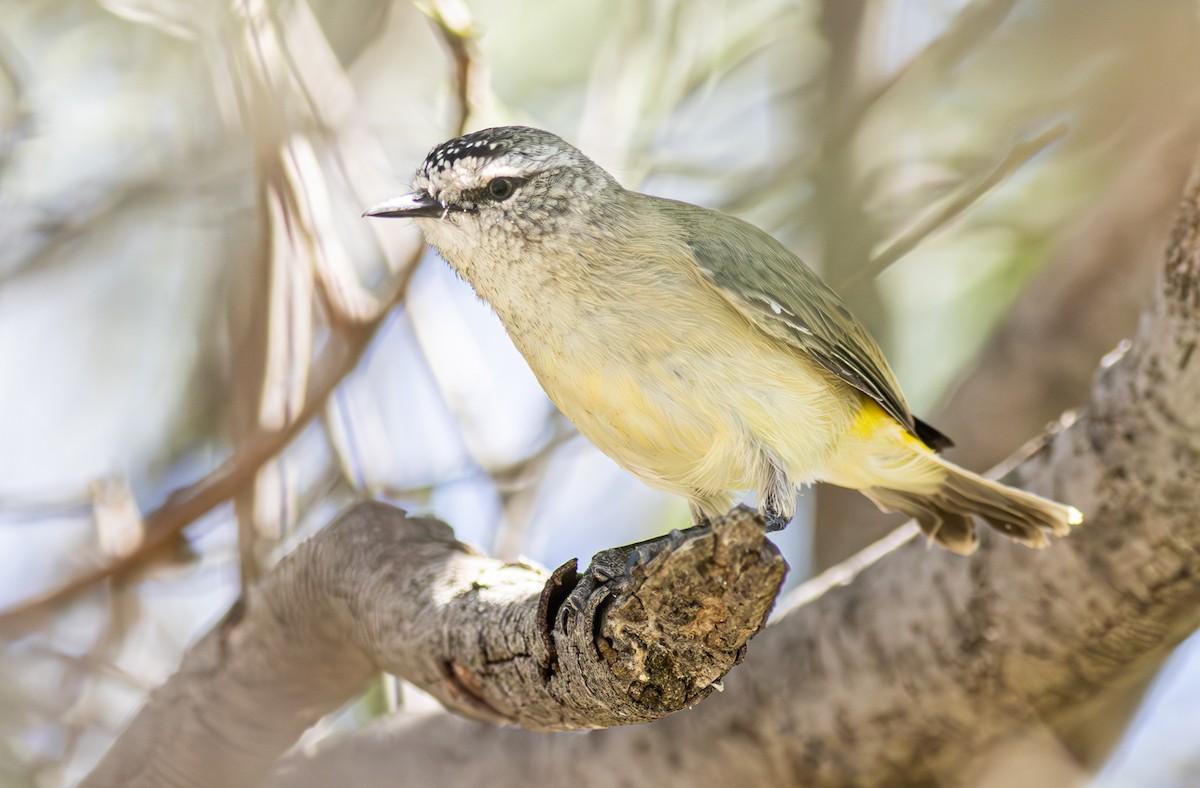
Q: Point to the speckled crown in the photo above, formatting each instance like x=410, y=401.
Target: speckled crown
x=531, y=143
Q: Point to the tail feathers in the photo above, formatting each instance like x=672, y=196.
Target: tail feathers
x=952, y=530
x=944, y=514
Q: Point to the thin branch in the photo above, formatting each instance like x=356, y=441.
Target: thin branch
x=457, y=30
x=970, y=26
x=163, y=525
x=1020, y=153
x=519, y=485
x=18, y=120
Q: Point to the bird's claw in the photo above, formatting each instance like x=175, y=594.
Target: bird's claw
x=774, y=521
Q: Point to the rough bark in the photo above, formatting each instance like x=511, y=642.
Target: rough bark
x=644, y=632
x=908, y=665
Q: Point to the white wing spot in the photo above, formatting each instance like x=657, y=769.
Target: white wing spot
x=771, y=302
x=787, y=316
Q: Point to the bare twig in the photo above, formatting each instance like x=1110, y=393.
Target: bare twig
x=163, y=525
x=970, y=26
x=519, y=485
x=1020, y=153
x=18, y=119
x=456, y=28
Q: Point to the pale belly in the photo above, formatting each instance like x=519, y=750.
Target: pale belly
x=702, y=414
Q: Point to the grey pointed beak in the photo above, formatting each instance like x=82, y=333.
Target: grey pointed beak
x=417, y=205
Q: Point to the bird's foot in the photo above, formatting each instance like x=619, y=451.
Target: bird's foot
x=641, y=553
x=774, y=520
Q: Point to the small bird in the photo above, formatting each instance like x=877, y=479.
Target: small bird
x=690, y=346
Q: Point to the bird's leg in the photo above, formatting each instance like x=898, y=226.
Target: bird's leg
x=621, y=560
x=770, y=512
x=775, y=521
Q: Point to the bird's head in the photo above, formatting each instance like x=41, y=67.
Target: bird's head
x=498, y=189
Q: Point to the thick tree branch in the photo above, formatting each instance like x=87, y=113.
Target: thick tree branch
x=632, y=639
x=909, y=665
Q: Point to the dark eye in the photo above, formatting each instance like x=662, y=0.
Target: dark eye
x=501, y=188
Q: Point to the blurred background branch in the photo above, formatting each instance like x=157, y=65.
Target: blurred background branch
x=959, y=202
